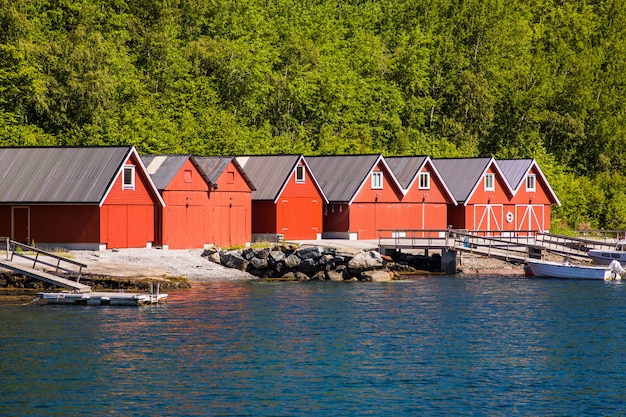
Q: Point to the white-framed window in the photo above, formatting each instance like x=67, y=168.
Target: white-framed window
x=300, y=173
x=490, y=182
x=128, y=177
x=531, y=182
x=424, y=181
x=377, y=180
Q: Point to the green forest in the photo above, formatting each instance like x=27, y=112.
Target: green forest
x=543, y=79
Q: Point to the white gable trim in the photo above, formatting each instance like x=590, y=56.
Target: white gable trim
x=479, y=180
x=293, y=172
x=139, y=167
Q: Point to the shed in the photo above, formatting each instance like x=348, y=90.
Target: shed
x=77, y=197
x=230, y=200
x=425, y=195
x=184, y=221
x=481, y=193
x=288, y=201
x=529, y=208
x=363, y=196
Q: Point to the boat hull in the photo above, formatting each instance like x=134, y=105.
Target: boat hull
x=603, y=257
x=548, y=269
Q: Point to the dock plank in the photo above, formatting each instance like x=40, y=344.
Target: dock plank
x=46, y=277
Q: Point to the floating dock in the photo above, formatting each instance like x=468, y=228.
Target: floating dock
x=99, y=298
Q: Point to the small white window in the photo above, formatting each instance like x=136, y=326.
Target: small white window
x=377, y=180
x=489, y=182
x=531, y=181
x=128, y=180
x=424, y=181
x=300, y=173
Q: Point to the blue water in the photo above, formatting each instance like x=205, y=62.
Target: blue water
x=437, y=346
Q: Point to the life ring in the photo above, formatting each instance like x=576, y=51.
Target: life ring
x=509, y=217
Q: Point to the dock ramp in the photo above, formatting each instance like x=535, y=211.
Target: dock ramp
x=24, y=259
x=45, y=277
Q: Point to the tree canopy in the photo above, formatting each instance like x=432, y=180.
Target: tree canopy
x=542, y=79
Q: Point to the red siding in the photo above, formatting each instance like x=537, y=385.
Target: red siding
x=297, y=213
x=51, y=224
x=530, y=210
x=428, y=208
x=184, y=221
x=231, y=205
x=485, y=209
x=127, y=216
x=264, y=217
x=336, y=218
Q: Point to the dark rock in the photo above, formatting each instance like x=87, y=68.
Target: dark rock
x=307, y=266
x=262, y=254
x=325, y=259
x=280, y=269
x=292, y=261
x=312, y=252
x=258, y=263
x=232, y=259
x=248, y=254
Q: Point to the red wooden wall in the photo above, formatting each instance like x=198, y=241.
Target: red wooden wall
x=230, y=209
x=374, y=209
x=529, y=210
x=127, y=216
x=51, y=224
x=297, y=213
x=184, y=221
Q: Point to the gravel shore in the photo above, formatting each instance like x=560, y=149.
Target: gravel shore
x=151, y=262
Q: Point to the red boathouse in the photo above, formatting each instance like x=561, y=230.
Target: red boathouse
x=77, y=197
x=287, y=201
x=230, y=200
x=363, y=196
x=529, y=208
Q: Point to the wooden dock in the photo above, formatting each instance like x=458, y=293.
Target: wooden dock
x=43, y=266
x=509, y=246
x=45, y=277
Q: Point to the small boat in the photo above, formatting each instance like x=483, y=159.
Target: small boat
x=539, y=268
x=605, y=257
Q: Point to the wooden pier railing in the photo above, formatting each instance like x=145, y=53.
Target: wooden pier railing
x=42, y=257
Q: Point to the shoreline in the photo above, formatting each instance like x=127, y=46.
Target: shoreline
x=182, y=268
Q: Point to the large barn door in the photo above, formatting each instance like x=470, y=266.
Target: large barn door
x=529, y=217
x=20, y=224
x=488, y=217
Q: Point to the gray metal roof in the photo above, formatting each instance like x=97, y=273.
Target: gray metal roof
x=405, y=168
x=341, y=176
x=59, y=174
x=515, y=170
x=268, y=173
x=461, y=175
x=213, y=167
x=163, y=168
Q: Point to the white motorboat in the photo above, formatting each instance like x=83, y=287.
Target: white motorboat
x=605, y=257
x=540, y=268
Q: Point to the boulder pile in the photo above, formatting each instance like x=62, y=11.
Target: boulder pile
x=291, y=263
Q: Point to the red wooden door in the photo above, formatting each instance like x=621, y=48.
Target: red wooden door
x=20, y=224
